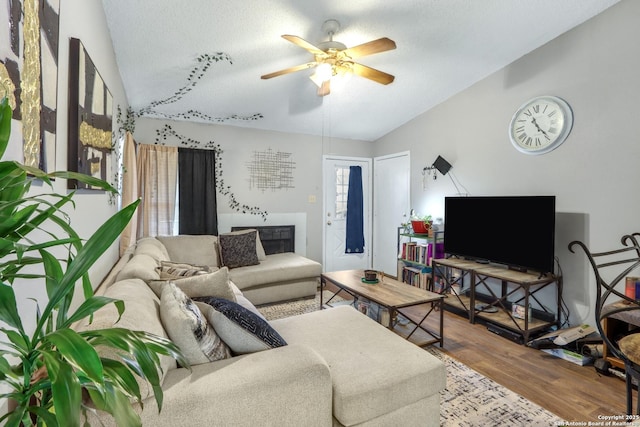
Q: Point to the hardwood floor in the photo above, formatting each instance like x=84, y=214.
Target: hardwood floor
x=572, y=392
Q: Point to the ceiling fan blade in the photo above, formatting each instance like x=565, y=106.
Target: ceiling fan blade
x=325, y=88
x=304, y=44
x=372, y=74
x=290, y=70
x=369, y=48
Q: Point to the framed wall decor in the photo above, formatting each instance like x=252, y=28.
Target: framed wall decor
x=28, y=78
x=90, y=118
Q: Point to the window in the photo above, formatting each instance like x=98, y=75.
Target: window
x=342, y=190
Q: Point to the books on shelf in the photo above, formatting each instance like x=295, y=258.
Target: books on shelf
x=421, y=253
x=417, y=276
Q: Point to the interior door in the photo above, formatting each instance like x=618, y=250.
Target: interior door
x=392, y=183
x=336, y=187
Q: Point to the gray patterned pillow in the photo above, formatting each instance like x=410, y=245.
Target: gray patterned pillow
x=189, y=329
x=241, y=329
x=175, y=270
x=238, y=250
x=201, y=285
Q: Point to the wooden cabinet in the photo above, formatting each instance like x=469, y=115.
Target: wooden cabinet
x=489, y=293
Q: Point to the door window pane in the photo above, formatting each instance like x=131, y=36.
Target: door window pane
x=342, y=189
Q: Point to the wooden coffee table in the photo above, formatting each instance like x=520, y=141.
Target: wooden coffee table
x=393, y=295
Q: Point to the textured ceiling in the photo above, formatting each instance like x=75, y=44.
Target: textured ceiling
x=201, y=60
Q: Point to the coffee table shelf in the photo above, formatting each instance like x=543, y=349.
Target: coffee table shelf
x=393, y=296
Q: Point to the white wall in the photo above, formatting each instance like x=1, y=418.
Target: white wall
x=594, y=174
x=238, y=145
x=83, y=19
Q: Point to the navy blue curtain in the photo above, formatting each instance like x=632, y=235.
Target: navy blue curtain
x=198, y=212
x=355, y=216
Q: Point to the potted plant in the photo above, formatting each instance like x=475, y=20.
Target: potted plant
x=47, y=370
x=421, y=224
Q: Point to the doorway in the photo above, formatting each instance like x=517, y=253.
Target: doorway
x=392, y=184
x=335, y=187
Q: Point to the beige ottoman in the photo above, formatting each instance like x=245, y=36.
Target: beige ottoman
x=379, y=379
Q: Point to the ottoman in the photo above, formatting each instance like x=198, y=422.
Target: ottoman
x=379, y=378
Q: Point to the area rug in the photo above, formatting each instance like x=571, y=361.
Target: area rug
x=469, y=400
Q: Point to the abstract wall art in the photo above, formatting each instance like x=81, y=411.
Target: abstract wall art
x=90, y=118
x=29, y=75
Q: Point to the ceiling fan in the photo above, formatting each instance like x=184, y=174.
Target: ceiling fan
x=332, y=58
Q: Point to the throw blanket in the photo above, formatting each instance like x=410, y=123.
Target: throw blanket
x=354, y=242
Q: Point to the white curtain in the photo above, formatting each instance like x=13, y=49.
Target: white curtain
x=157, y=180
x=129, y=191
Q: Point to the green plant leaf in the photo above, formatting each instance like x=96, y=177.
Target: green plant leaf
x=116, y=403
x=8, y=309
x=122, y=377
x=66, y=392
x=90, y=306
x=19, y=341
x=49, y=418
x=77, y=352
x=53, y=271
x=88, y=254
x=5, y=125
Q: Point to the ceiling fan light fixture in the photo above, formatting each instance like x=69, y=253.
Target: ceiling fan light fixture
x=323, y=73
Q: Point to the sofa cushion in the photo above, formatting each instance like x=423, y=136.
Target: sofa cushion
x=141, y=266
x=259, y=248
x=176, y=270
x=142, y=313
x=202, y=285
x=276, y=268
x=189, y=329
x=198, y=250
x=238, y=250
x=239, y=328
x=358, y=375
x=152, y=247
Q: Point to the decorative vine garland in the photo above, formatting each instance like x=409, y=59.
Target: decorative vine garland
x=128, y=124
x=223, y=189
x=204, y=63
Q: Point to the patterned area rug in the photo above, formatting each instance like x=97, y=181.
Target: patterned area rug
x=469, y=400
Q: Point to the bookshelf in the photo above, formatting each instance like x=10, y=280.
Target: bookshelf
x=415, y=253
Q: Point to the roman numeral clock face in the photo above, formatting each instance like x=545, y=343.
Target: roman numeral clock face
x=541, y=125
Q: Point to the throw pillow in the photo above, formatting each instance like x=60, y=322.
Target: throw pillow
x=262, y=255
x=188, y=328
x=242, y=330
x=238, y=250
x=202, y=285
x=174, y=270
x=199, y=249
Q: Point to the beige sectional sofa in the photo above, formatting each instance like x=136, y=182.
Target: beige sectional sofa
x=278, y=277
x=339, y=368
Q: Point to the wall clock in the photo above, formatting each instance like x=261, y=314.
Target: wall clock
x=540, y=125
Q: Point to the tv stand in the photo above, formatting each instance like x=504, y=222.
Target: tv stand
x=503, y=288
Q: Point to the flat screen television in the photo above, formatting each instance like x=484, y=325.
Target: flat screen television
x=517, y=231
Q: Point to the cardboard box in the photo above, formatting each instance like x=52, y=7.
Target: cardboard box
x=570, y=356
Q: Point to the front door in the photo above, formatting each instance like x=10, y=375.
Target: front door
x=336, y=187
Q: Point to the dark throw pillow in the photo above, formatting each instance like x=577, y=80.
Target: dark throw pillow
x=238, y=250
x=242, y=330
